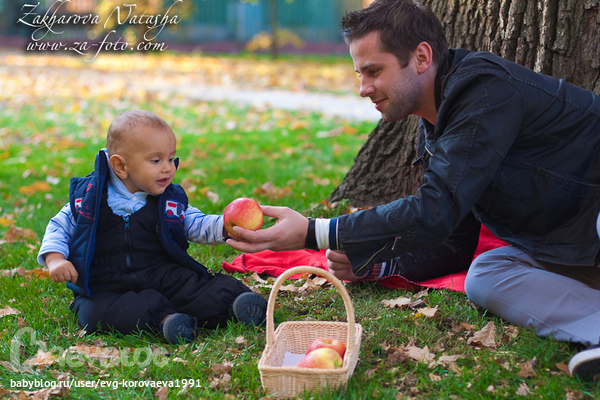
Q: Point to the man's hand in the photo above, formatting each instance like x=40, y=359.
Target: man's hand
x=289, y=233
x=340, y=267
x=60, y=269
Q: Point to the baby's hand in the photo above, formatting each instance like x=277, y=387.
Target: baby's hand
x=60, y=269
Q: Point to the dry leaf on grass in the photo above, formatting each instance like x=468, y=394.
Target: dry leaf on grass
x=399, y=302
x=16, y=234
x=40, y=186
x=564, y=368
x=485, y=337
x=161, y=393
x=523, y=390
x=429, y=312
x=8, y=311
x=42, y=358
x=240, y=340
x=42, y=394
x=527, y=370
x=419, y=354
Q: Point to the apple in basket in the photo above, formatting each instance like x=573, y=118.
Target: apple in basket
x=324, y=358
x=334, y=344
x=243, y=212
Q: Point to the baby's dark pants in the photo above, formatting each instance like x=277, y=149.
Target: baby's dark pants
x=139, y=300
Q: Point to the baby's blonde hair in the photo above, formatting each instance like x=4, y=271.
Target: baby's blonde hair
x=122, y=126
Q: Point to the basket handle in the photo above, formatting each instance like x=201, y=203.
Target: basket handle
x=317, y=271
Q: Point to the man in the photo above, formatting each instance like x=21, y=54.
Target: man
x=517, y=151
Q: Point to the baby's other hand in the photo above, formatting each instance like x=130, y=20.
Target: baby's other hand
x=60, y=269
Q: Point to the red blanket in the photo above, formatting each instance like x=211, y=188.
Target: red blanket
x=274, y=263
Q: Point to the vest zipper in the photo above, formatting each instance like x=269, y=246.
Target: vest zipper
x=127, y=238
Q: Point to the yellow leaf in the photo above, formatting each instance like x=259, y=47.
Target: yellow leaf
x=40, y=186
x=231, y=182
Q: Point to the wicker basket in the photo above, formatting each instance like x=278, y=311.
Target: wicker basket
x=295, y=337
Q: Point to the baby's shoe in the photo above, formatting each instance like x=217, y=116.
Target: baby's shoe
x=250, y=308
x=179, y=328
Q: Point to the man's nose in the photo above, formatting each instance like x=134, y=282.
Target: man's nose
x=366, y=87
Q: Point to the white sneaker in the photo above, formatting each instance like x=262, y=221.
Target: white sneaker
x=586, y=364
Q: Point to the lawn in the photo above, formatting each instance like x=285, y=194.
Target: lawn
x=54, y=112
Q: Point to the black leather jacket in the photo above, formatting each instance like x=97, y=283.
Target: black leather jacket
x=518, y=149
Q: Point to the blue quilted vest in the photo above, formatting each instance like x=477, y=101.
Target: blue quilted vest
x=85, y=197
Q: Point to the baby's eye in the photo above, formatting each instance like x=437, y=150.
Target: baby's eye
x=171, y=159
x=155, y=161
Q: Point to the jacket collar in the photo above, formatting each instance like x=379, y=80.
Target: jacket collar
x=447, y=65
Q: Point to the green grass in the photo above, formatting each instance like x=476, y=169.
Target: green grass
x=59, y=137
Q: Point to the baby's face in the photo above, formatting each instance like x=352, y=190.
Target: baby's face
x=149, y=159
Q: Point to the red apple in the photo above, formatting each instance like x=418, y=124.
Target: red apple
x=331, y=343
x=243, y=212
x=324, y=358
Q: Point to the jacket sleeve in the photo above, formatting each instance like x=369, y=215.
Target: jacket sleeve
x=58, y=234
x=478, y=121
x=202, y=228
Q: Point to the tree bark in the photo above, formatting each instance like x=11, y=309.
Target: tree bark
x=560, y=38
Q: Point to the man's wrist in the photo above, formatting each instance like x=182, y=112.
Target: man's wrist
x=311, y=238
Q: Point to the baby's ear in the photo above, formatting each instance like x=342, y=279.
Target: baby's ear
x=118, y=165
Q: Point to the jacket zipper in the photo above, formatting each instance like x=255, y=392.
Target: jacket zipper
x=127, y=238
x=360, y=269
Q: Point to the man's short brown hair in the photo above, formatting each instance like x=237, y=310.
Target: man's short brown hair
x=402, y=24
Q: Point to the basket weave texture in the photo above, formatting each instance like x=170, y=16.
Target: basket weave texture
x=296, y=336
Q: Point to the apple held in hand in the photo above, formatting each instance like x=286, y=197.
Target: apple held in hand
x=331, y=343
x=243, y=212
x=324, y=358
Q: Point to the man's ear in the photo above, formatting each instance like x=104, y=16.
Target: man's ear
x=118, y=165
x=423, y=55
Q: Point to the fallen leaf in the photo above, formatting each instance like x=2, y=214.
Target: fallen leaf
x=8, y=311
x=419, y=354
x=527, y=370
x=399, y=302
x=161, y=393
x=240, y=340
x=220, y=381
x=42, y=358
x=272, y=191
x=39, y=273
x=564, y=368
x=573, y=395
x=40, y=186
x=429, y=312
x=396, y=355
x=435, y=378
x=231, y=182
x=485, y=337
x=16, y=234
x=180, y=360
x=523, y=390
x=223, y=368
x=12, y=272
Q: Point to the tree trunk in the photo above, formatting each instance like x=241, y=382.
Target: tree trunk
x=554, y=37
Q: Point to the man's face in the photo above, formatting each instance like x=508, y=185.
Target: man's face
x=149, y=160
x=396, y=92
